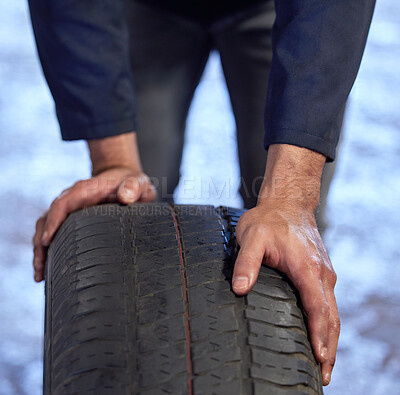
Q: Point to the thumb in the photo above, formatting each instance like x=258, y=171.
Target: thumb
x=247, y=265
x=129, y=190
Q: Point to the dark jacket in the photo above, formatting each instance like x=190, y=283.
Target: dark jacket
x=318, y=46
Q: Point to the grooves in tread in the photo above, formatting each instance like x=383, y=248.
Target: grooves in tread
x=139, y=300
x=217, y=337
x=115, y=311
x=185, y=299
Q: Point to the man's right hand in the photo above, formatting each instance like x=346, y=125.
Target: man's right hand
x=118, y=177
x=281, y=232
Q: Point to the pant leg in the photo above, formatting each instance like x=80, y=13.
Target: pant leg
x=168, y=56
x=246, y=53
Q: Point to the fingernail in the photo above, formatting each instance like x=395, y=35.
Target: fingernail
x=240, y=282
x=44, y=238
x=327, y=378
x=324, y=353
x=131, y=192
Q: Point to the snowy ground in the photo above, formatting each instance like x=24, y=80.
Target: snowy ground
x=364, y=205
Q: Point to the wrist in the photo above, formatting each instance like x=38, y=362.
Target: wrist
x=115, y=152
x=292, y=178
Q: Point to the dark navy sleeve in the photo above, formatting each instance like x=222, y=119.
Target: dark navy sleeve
x=84, y=50
x=318, y=46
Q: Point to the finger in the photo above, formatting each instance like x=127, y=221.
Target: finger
x=333, y=338
x=55, y=217
x=39, y=263
x=312, y=295
x=248, y=262
x=130, y=190
x=39, y=251
x=81, y=194
x=149, y=192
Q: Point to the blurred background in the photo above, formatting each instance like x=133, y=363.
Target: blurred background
x=363, y=237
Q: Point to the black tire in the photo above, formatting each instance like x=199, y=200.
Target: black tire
x=139, y=301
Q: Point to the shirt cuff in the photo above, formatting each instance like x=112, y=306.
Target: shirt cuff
x=301, y=139
x=99, y=131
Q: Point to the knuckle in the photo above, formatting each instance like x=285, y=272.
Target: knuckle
x=57, y=203
x=40, y=221
x=260, y=229
x=39, y=224
x=78, y=188
x=254, y=231
x=79, y=184
x=63, y=195
x=50, y=224
x=35, y=239
x=242, y=223
x=332, y=277
x=130, y=182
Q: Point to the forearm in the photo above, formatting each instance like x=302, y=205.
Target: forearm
x=115, y=152
x=292, y=177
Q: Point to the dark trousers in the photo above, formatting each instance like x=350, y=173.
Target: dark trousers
x=168, y=57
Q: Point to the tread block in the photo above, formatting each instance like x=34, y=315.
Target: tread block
x=274, y=287
x=90, y=355
x=150, y=230
x=218, y=350
x=206, y=226
x=161, y=367
x=86, y=328
x=176, y=385
x=108, y=243
x=202, y=274
x=280, y=369
x=221, y=320
x=159, y=280
x=94, y=230
x=200, y=239
x=158, y=335
x=210, y=296
x=159, y=307
x=156, y=243
x=226, y=381
x=205, y=254
x=157, y=259
x=276, y=311
x=278, y=339
x=264, y=387
x=89, y=381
